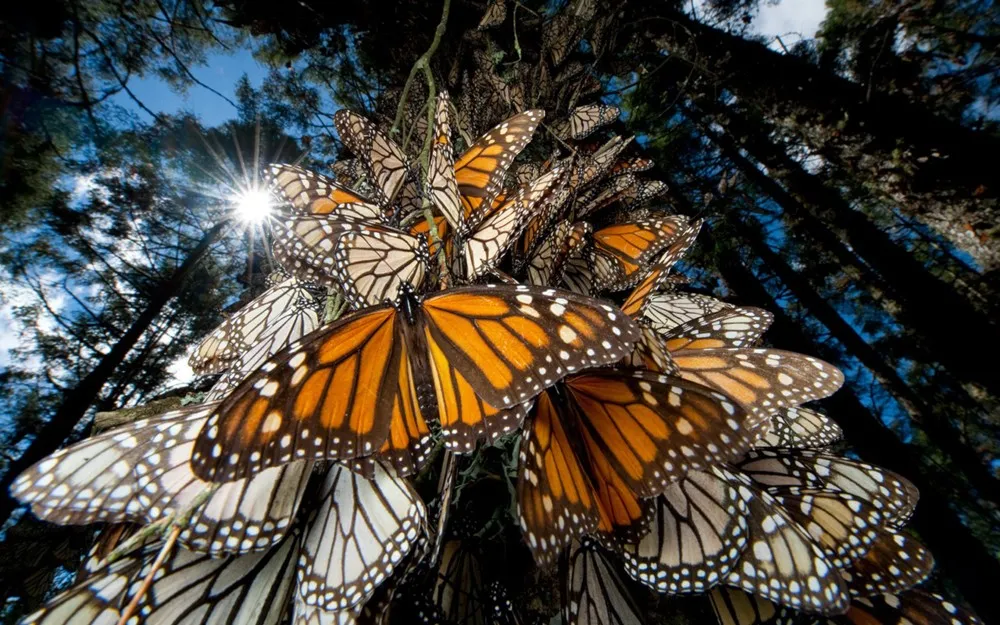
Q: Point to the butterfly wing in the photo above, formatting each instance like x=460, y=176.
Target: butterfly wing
x=309, y=193
x=486, y=245
x=385, y=163
x=594, y=593
x=782, y=564
x=696, y=536
x=281, y=314
x=799, y=428
x=585, y=120
x=373, y=264
x=481, y=170
x=140, y=473
x=666, y=311
x=733, y=327
x=655, y=428
x=441, y=181
x=331, y=395
x=892, y=494
x=360, y=531
x=895, y=563
x=556, y=501
x=189, y=587
x=511, y=342
x=761, y=380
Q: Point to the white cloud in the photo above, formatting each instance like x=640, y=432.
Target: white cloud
x=180, y=371
x=792, y=20
x=799, y=19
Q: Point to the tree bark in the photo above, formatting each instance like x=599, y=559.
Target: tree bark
x=937, y=426
x=956, y=549
x=931, y=307
x=79, y=399
x=930, y=166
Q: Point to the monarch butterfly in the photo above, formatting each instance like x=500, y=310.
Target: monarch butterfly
x=280, y=315
x=140, y=472
x=619, y=436
x=368, y=262
x=894, y=563
x=496, y=13
x=892, y=494
x=548, y=261
x=385, y=163
x=799, y=428
x=243, y=590
x=666, y=311
x=697, y=534
x=734, y=607
x=585, y=120
x=309, y=193
x=500, y=344
x=594, y=593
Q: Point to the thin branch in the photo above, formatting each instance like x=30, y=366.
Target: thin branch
x=422, y=63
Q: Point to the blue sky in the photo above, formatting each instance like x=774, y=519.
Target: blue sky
x=791, y=20
x=221, y=73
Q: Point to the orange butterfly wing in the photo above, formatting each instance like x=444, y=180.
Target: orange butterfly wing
x=639, y=242
x=463, y=415
x=480, y=171
x=556, y=500
x=655, y=428
x=286, y=411
x=511, y=342
x=763, y=381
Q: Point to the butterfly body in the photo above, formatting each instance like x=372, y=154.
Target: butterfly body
x=350, y=389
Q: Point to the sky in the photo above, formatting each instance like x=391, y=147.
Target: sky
x=791, y=20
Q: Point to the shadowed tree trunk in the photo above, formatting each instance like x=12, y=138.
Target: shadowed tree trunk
x=930, y=166
x=956, y=550
x=936, y=425
x=929, y=306
x=77, y=401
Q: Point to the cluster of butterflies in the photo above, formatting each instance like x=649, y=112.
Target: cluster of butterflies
x=656, y=440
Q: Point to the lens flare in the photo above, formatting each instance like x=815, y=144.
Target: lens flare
x=254, y=206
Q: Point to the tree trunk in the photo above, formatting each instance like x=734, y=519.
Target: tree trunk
x=929, y=306
x=928, y=165
x=937, y=425
x=78, y=400
x=955, y=548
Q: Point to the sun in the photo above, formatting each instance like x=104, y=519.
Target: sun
x=253, y=205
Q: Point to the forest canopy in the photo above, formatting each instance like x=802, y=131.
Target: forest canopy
x=416, y=177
